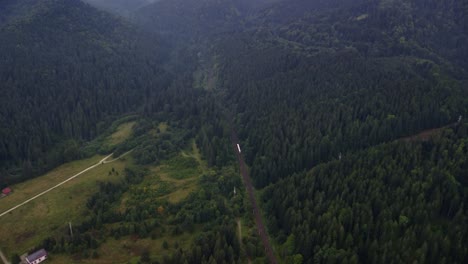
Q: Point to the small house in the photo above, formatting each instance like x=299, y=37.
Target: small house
x=37, y=257
x=6, y=191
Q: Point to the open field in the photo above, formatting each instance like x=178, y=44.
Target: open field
x=129, y=250
x=30, y=224
x=49, y=214
x=181, y=167
x=173, y=180
x=184, y=171
x=159, y=185
x=181, y=188
x=25, y=190
x=123, y=132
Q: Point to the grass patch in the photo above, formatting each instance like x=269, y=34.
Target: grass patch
x=111, y=135
x=146, y=192
x=161, y=129
x=172, y=182
x=128, y=249
x=27, y=189
x=158, y=185
x=181, y=193
x=28, y=225
x=123, y=132
x=181, y=167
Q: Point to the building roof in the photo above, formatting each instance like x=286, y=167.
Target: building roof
x=6, y=191
x=36, y=255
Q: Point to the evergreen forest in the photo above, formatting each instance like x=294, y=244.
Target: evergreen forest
x=351, y=116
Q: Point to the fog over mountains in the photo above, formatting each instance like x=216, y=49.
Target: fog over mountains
x=351, y=116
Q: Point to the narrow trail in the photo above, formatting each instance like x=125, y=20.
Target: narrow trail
x=256, y=211
x=119, y=157
x=427, y=134
x=103, y=161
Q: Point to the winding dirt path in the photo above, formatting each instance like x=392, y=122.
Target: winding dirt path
x=256, y=211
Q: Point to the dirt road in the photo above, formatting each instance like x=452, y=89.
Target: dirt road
x=104, y=161
x=427, y=134
x=256, y=211
x=56, y=186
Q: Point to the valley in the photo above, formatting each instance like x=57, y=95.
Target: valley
x=234, y=131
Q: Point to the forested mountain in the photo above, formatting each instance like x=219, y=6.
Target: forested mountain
x=13, y=9
x=195, y=20
x=320, y=93
x=435, y=30
x=314, y=82
x=395, y=203
x=65, y=67
x=311, y=82
x=187, y=19
x=121, y=7
x=356, y=88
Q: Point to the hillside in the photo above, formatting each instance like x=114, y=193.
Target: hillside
x=313, y=82
x=121, y=7
x=357, y=89
x=65, y=67
x=398, y=202
x=320, y=94
x=188, y=20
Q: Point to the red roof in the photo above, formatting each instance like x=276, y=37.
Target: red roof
x=6, y=191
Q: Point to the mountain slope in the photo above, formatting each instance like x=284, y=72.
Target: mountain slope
x=436, y=30
x=122, y=7
x=319, y=91
x=356, y=89
x=316, y=82
x=187, y=19
x=62, y=72
x=400, y=202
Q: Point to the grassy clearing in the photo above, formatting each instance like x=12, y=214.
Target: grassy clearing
x=184, y=170
x=26, y=190
x=182, y=188
x=161, y=129
x=50, y=214
x=173, y=180
x=115, y=133
x=129, y=249
x=181, y=167
x=27, y=226
x=163, y=183
x=186, y=165
x=195, y=154
x=182, y=193
x=123, y=132
x=157, y=185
